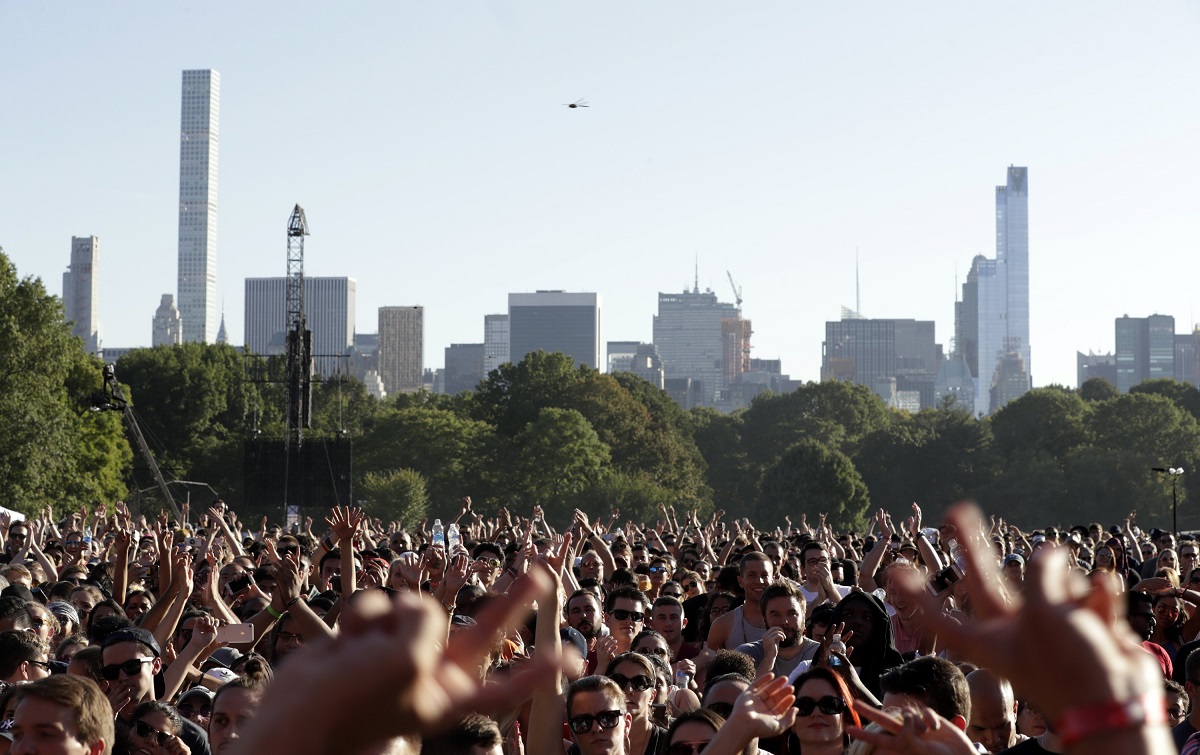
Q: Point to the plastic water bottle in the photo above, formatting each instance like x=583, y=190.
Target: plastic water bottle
x=453, y=539
x=439, y=533
x=836, y=646
x=682, y=678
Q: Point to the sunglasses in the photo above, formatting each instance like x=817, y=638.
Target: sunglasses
x=672, y=594
x=112, y=671
x=687, y=748
x=639, y=683
x=146, y=731
x=829, y=705
x=187, y=709
x=607, y=719
x=620, y=614
x=17, y=536
x=660, y=652
x=658, y=569
x=490, y=563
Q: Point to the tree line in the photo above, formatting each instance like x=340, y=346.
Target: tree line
x=543, y=431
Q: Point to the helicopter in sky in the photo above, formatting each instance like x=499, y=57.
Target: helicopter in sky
x=578, y=103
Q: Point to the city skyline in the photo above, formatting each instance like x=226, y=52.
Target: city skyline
x=444, y=163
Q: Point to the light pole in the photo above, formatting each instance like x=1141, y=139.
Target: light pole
x=1176, y=473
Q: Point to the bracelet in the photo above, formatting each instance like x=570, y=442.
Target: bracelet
x=511, y=571
x=293, y=602
x=328, y=543
x=1101, y=718
x=274, y=613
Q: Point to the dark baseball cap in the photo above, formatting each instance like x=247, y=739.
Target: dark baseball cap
x=134, y=634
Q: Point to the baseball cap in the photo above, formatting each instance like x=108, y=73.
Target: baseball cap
x=571, y=635
x=1014, y=558
x=134, y=634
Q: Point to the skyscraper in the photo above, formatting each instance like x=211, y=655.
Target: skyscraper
x=464, y=365
x=168, y=326
x=401, y=348
x=1003, y=296
x=495, y=342
x=555, y=321
x=691, y=337
x=81, y=300
x=198, y=144
x=1145, y=349
x=897, y=359
x=329, y=308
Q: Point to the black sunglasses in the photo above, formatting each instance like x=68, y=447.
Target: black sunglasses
x=639, y=683
x=620, y=614
x=607, y=719
x=829, y=705
x=130, y=667
x=146, y=730
x=687, y=748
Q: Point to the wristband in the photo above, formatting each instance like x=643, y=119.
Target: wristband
x=1102, y=718
x=274, y=613
x=293, y=602
x=328, y=543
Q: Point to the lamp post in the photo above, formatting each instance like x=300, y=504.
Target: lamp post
x=1176, y=473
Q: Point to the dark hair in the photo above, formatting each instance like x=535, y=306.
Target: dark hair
x=706, y=616
x=849, y=715
x=13, y=607
x=174, y=720
x=713, y=681
x=701, y=716
x=101, y=628
x=935, y=682
x=17, y=648
x=732, y=662
x=628, y=593
x=595, y=683
x=92, y=660
x=106, y=603
x=753, y=556
x=471, y=731
x=781, y=590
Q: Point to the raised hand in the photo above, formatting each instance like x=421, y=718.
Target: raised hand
x=765, y=709
x=344, y=521
x=456, y=574
x=909, y=732
x=412, y=567
x=556, y=558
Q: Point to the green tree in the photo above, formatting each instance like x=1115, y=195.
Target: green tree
x=1098, y=389
x=450, y=452
x=560, y=457
x=397, y=495
x=1049, y=420
x=729, y=474
x=836, y=413
x=513, y=395
x=53, y=450
x=1184, y=395
x=811, y=478
x=197, y=409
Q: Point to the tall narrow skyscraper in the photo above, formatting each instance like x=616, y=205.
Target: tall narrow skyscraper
x=198, y=142
x=81, y=301
x=401, y=348
x=1003, y=299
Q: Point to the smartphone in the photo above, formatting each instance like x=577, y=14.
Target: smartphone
x=943, y=580
x=239, y=583
x=235, y=633
x=335, y=583
x=578, y=561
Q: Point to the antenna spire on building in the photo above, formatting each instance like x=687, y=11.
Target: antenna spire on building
x=857, y=290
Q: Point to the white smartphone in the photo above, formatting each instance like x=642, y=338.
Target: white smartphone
x=235, y=633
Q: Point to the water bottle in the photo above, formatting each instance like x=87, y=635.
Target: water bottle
x=682, y=678
x=439, y=533
x=453, y=539
x=836, y=646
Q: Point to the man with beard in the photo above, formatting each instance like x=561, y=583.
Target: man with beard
x=1140, y=615
x=784, y=647
x=583, y=615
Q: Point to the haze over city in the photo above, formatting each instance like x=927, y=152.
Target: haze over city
x=437, y=165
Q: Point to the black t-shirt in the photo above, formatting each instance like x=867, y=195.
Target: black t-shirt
x=1028, y=747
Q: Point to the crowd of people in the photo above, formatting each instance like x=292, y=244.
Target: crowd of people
x=501, y=635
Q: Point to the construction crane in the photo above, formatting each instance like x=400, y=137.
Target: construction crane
x=299, y=337
x=737, y=292
x=112, y=400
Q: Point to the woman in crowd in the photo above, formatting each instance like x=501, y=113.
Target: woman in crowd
x=824, y=710
x=635, y=675
x=155, y=730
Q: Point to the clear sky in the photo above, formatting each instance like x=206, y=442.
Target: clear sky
x=430, y=149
